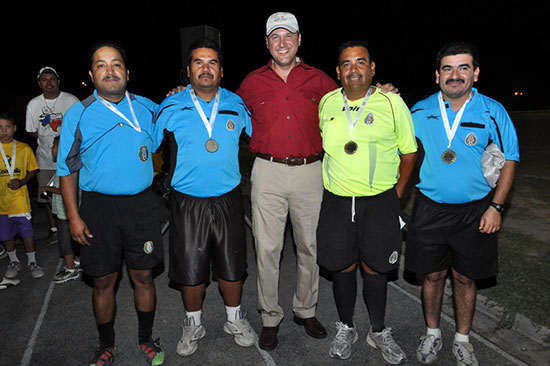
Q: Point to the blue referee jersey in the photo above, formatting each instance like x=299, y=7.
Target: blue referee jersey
x=484, y=121
x=196, y=171
x=111, y=156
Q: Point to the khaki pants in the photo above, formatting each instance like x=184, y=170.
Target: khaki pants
x=279, y=190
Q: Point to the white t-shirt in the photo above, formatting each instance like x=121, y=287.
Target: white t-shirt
x=44, y=116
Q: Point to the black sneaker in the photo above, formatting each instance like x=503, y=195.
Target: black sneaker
x=152, y=352
x=104, y=356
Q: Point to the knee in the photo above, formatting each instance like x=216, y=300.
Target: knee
x=142, y=278
x=105, y=283
x=460, y=280
x=435, y=277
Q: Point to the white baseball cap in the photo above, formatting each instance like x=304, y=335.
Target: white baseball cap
x=47, y=69
x=282, y=20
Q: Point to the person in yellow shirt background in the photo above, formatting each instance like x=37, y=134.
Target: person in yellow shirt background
x=17, y=168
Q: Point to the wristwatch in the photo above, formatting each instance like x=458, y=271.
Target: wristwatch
x=498, y=206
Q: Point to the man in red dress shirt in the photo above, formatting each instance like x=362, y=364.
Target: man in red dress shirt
x=283, y=97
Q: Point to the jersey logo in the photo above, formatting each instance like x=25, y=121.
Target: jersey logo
x=393, y=257
x=369, y=119
x=230, y=125
x=148, y=247
x=471, y=139
x=143, y=153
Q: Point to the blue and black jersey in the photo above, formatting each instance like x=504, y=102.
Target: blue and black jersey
x=484, y=121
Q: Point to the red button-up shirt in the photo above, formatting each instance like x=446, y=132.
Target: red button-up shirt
x=285, y=120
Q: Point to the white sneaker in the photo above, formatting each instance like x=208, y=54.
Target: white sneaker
x=191, y=335
x=383, y=341
x=66, y=275
x=36, y=270
x=241, y=330
x=13, y=269
x=8, y=282
x=340, y=347
x=464, y=354
x=426, y=353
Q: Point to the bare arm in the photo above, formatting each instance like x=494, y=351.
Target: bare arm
x=491, y=220
x=18, y=183
x=405, y=170
x=78, y=228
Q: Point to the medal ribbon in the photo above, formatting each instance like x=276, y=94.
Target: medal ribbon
x=135, y=125
x=10, y=167
x=209, y=124
x=451, y=131
x=352, y=122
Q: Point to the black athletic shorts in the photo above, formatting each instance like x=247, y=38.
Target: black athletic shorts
x=444, y=235
x=207, y=234
x=124, y=227
x=375, y=237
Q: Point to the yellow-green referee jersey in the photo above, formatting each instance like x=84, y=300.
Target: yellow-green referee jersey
x=383, y=131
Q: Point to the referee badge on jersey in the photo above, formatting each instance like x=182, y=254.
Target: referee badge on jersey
x=143, y=153
x=148, y=247
x=230, y=125
x=471, y=139
x=393, y=257
x=369, y=119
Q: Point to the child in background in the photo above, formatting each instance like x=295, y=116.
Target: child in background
x=17, y=168
x=68, y=249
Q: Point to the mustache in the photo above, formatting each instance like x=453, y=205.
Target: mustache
x=111, y=77
x=206, y=74
x=454, y=81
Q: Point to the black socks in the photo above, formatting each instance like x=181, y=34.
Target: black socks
x=145, y=325
x=344, y=289
x=375, y=288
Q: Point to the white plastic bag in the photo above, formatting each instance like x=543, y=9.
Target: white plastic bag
x=492, y=161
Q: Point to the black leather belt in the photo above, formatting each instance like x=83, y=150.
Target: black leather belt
x=292, y=160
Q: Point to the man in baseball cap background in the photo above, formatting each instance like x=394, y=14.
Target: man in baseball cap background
x=43, y=122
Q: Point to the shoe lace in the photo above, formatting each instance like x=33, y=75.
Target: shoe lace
x=240, y=323
x=464, y=354
x=151, y=348
x=189, y=329
x=343, y=332
x=427, y=344
x=103, y=354
x=387, y=338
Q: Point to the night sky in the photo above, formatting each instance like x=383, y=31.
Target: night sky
x=405, y=36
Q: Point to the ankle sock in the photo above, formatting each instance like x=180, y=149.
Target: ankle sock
x=13, y=256
x=231, y=312
x=31, y=257
x=465, y=338
x=196, y=315
x=434, y=331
